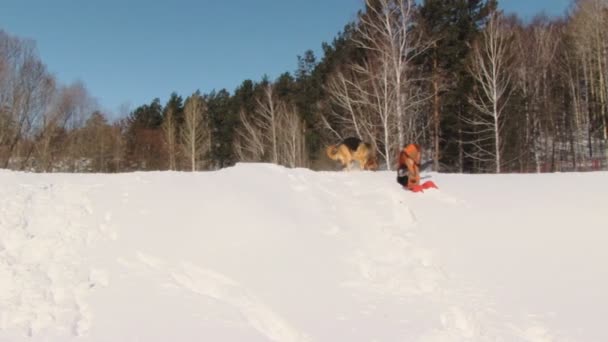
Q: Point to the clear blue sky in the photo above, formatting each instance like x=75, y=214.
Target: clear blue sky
x=131, y=51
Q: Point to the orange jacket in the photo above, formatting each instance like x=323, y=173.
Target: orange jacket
x=409, y=158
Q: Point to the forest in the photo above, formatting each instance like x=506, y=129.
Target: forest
x=481, y=91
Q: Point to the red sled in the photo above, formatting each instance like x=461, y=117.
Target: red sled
x=424, y=186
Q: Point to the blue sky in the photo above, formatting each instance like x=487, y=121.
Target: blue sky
x=131, y=51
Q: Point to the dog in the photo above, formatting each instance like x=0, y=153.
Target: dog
x=353, y=149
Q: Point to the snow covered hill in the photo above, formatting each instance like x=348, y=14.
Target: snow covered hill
x=264, y=253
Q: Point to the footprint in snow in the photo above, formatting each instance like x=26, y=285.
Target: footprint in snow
x=150, y=261
x=537, y=334
x=218, y=286
x=463, y=324
x=333, y=230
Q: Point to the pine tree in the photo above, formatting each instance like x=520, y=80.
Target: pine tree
x=173, y=117
x=309, y=85
x=144, y=137
x=223, y=118
x=452, y=25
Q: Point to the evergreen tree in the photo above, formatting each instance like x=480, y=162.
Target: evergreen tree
x=173, y=118
x=452, y=25
x=309, y=83
x=223, y=118
x=176, y=103
x=285, y=87
x=147, y=116
x=144, y=137
x=243, y=98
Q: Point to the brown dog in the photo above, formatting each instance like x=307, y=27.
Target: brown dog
x=353, y=149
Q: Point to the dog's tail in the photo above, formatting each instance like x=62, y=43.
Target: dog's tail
x=332, y=152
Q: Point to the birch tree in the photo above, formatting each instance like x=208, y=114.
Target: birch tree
x=375, y=95
x=588, y=72
x=272, y=132
x=267, y=120
x=292, y=137
x=26, y=89
x=170, y=136
x=195, y=134
x=490, y=68
x=249, y=143
x=536, y=56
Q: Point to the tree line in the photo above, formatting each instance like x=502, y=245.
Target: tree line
x=481, y=91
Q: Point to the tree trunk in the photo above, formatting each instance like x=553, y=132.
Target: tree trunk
x=436, y=123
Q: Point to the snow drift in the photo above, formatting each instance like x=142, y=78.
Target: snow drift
x=263, y=253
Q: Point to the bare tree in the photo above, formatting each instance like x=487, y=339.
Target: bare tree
x=273, y=132
x=292, y=137
x=536, y=54
x=75, y=109
x=118, y=145
x=385, y=30
x=170, y=135
x=267, y=120
x=587, y=70
x=98, y=141
x=342, y=90
x=352, y=100
x=25, y=91
x=437, y=85
x=377, y=96
x=489, y=67
x=249, y=142
x=53, y=124
x=195, y=133
x=69, y=111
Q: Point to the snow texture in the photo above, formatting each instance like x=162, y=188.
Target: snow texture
x=259, y=252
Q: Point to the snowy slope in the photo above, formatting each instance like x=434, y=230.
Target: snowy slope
x=264, y=253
